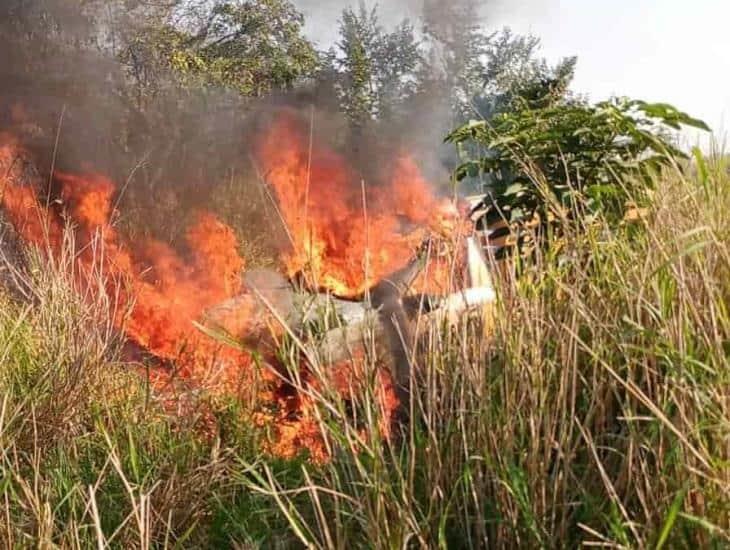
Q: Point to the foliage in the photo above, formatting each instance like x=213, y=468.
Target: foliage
x=374, y=69
x=458, y=47
x=515, y=76
x=254, y=46
x=591, y=410
x=379, y=74
x=548, y=162
x=594, y=414
x=481, y=73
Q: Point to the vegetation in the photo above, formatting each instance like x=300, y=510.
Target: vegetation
x=252, y=47
x=595, y=411
x=257, y=47
x=589, y=406
x=589, y=159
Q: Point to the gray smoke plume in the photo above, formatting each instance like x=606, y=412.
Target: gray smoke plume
x=66, y=96
x=322, y=16
x=60, y=66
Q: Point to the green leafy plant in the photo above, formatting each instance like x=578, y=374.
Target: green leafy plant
x=254, y=47
x=545, y=162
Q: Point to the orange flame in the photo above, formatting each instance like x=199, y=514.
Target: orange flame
x=344, y=236
x=163, y=291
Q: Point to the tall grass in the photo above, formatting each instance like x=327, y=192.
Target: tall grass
x=595, y=412
x=87, y=457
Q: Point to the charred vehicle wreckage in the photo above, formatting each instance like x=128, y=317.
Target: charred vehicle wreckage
x=195, y=316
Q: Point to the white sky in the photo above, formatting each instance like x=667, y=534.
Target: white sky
x=675, y=51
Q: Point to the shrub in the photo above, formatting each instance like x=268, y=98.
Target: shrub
x=545, y=163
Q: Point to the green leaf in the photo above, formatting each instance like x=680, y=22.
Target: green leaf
x=702, y=170
x=702, y=522
x=133, y=456
x=671, y=518
x=601, y=152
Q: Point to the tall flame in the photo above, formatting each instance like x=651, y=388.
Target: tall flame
x=162, y=290
x=344, y=236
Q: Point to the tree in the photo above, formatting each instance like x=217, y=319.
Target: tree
x=515, y=74
x=456, y=43
x=374, y=70
x=252, y=46
x=483, y=73
x=356, y=82
x=474, y=74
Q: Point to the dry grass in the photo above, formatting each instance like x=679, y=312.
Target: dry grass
x=597, y=413
x=87, y=458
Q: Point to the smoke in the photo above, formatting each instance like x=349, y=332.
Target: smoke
x=64, y=91
x=429, y=115
x=45, y=77
x=61, y=67
x=322, y=15
x=65, y=94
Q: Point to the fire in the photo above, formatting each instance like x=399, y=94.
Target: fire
x=161, y=292
x=344, y=238
x=35, y=224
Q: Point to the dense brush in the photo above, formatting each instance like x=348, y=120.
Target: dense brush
x=594, y=413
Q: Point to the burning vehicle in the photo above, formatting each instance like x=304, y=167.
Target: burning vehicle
x=378, y=263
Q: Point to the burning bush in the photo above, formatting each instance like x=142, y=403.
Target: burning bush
x=345, y=237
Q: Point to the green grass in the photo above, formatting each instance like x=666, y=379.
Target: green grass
x=597, y=412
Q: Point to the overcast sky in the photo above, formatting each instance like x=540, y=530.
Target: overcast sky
x=676, y=51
